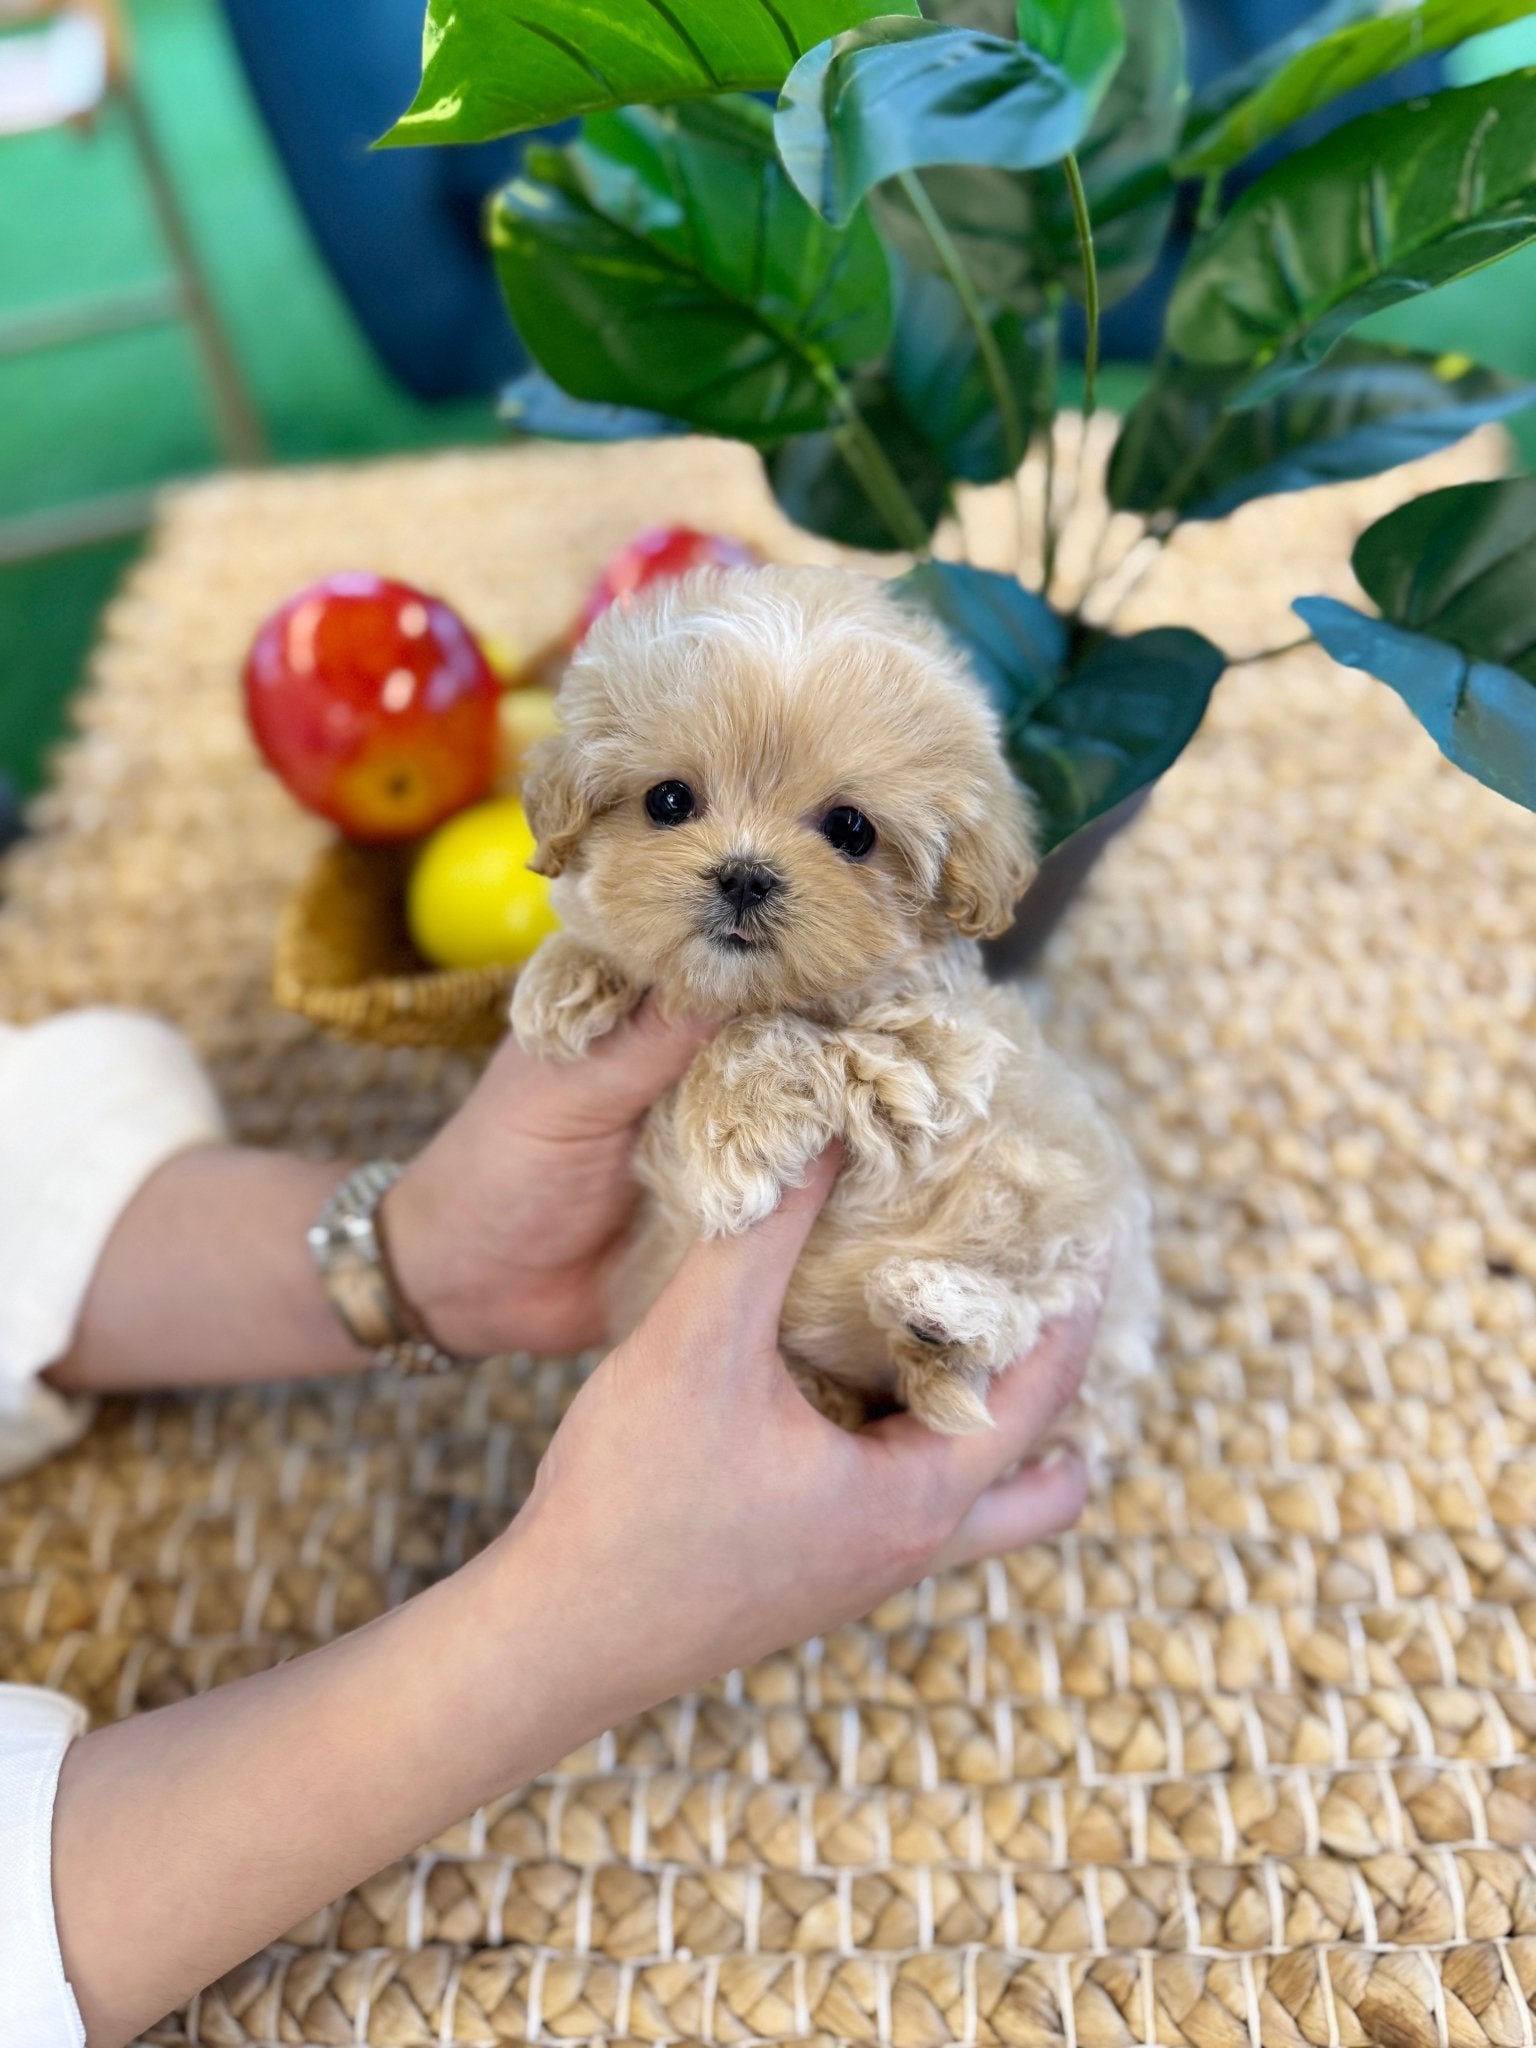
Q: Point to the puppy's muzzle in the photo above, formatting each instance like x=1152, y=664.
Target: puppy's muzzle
x=745, y=885
x=746, y=891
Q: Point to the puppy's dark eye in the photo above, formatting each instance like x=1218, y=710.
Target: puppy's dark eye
x=669, y=803
x=849, y=831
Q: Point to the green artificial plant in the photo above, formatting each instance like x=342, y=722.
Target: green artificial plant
x=868, y=282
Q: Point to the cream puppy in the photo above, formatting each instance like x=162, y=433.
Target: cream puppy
x=779, y=799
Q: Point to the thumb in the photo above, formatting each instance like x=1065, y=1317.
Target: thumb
x=616, y=1081
x=735, y=1286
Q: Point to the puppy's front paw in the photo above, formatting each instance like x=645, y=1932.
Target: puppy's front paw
x=567, y=996
x=948, y=1328
x=751, y=1116
x=739, y=1174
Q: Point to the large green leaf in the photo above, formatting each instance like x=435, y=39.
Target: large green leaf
x=1460, y=564
x=1342, y=47
x=1014, y=230
x=1121, y=714
x=1454, y=572
x=1366, y=409
x=1383, y=209
x=664, y=261
x=1480, y=715
x=939, y=380
x=1015, y=643
x=816, y=488
x=490, y=68
x=896, y=95
x=932, y=408
x=1084, y=730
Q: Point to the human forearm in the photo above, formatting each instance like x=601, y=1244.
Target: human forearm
x=692, y=1514
x=185, y=1840
x=502, y=1232
x=207, y=1279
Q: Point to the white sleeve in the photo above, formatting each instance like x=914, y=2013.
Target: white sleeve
x=37, y=2007
x=91, y=1102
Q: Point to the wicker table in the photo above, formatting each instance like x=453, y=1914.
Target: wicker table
x=1249, y=1759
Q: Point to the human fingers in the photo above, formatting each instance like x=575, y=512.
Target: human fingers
x=1023, y=1400
x=1037, y=1501
x=617, y=1080
x=737, y=1284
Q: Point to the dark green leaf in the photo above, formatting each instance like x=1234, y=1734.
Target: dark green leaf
x=938, y=380
x=1389, y=206
x=535, y=404
x=489, y=68
x=1366, y=409
x=896, y=94
x=1014, y=229
x=1114, y=722
x=931, y=408
x=1481, y=716
x=816, y=488
x=1082, y=735
x=1460, y=564
x=1334, y=51
x=664, y=261
x=1014, y=641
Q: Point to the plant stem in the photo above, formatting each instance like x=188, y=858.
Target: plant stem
x=1273, y=653
x=877, y=479
x=1084, y=225
x=1210, y=203
x=1051, y=366
x=953, y=265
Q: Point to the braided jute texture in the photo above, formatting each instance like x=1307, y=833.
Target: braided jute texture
x=1248, y=1759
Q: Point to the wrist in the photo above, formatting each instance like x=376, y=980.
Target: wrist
x=565, y=1674
x=426, y=1257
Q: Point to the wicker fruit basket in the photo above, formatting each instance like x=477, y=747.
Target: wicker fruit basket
x=345, y=959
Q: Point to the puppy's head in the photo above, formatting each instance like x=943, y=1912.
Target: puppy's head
x=771, y=785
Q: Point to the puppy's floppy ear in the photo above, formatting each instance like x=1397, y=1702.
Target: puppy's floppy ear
x=557, y=807
x=991, y=858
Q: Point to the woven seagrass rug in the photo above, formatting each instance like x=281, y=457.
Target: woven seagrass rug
x=1248, y=1759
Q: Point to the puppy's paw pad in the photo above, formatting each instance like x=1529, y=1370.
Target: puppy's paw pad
x=926, y=1333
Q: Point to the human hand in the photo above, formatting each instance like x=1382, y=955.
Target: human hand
x=504, y=1231
x=694, y=1512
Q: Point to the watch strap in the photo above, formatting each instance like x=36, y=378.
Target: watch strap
x=348, y=1244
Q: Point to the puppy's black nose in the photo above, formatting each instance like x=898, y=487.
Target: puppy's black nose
x=745, y=885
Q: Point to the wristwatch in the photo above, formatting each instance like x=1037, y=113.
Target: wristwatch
x=351, y=1255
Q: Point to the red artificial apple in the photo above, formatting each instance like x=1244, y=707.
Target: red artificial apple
x=374, y=704
x=663, y=551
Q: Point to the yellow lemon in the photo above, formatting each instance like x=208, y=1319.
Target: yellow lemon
x=527, y=715
x=472, y=901
x=505, y=657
